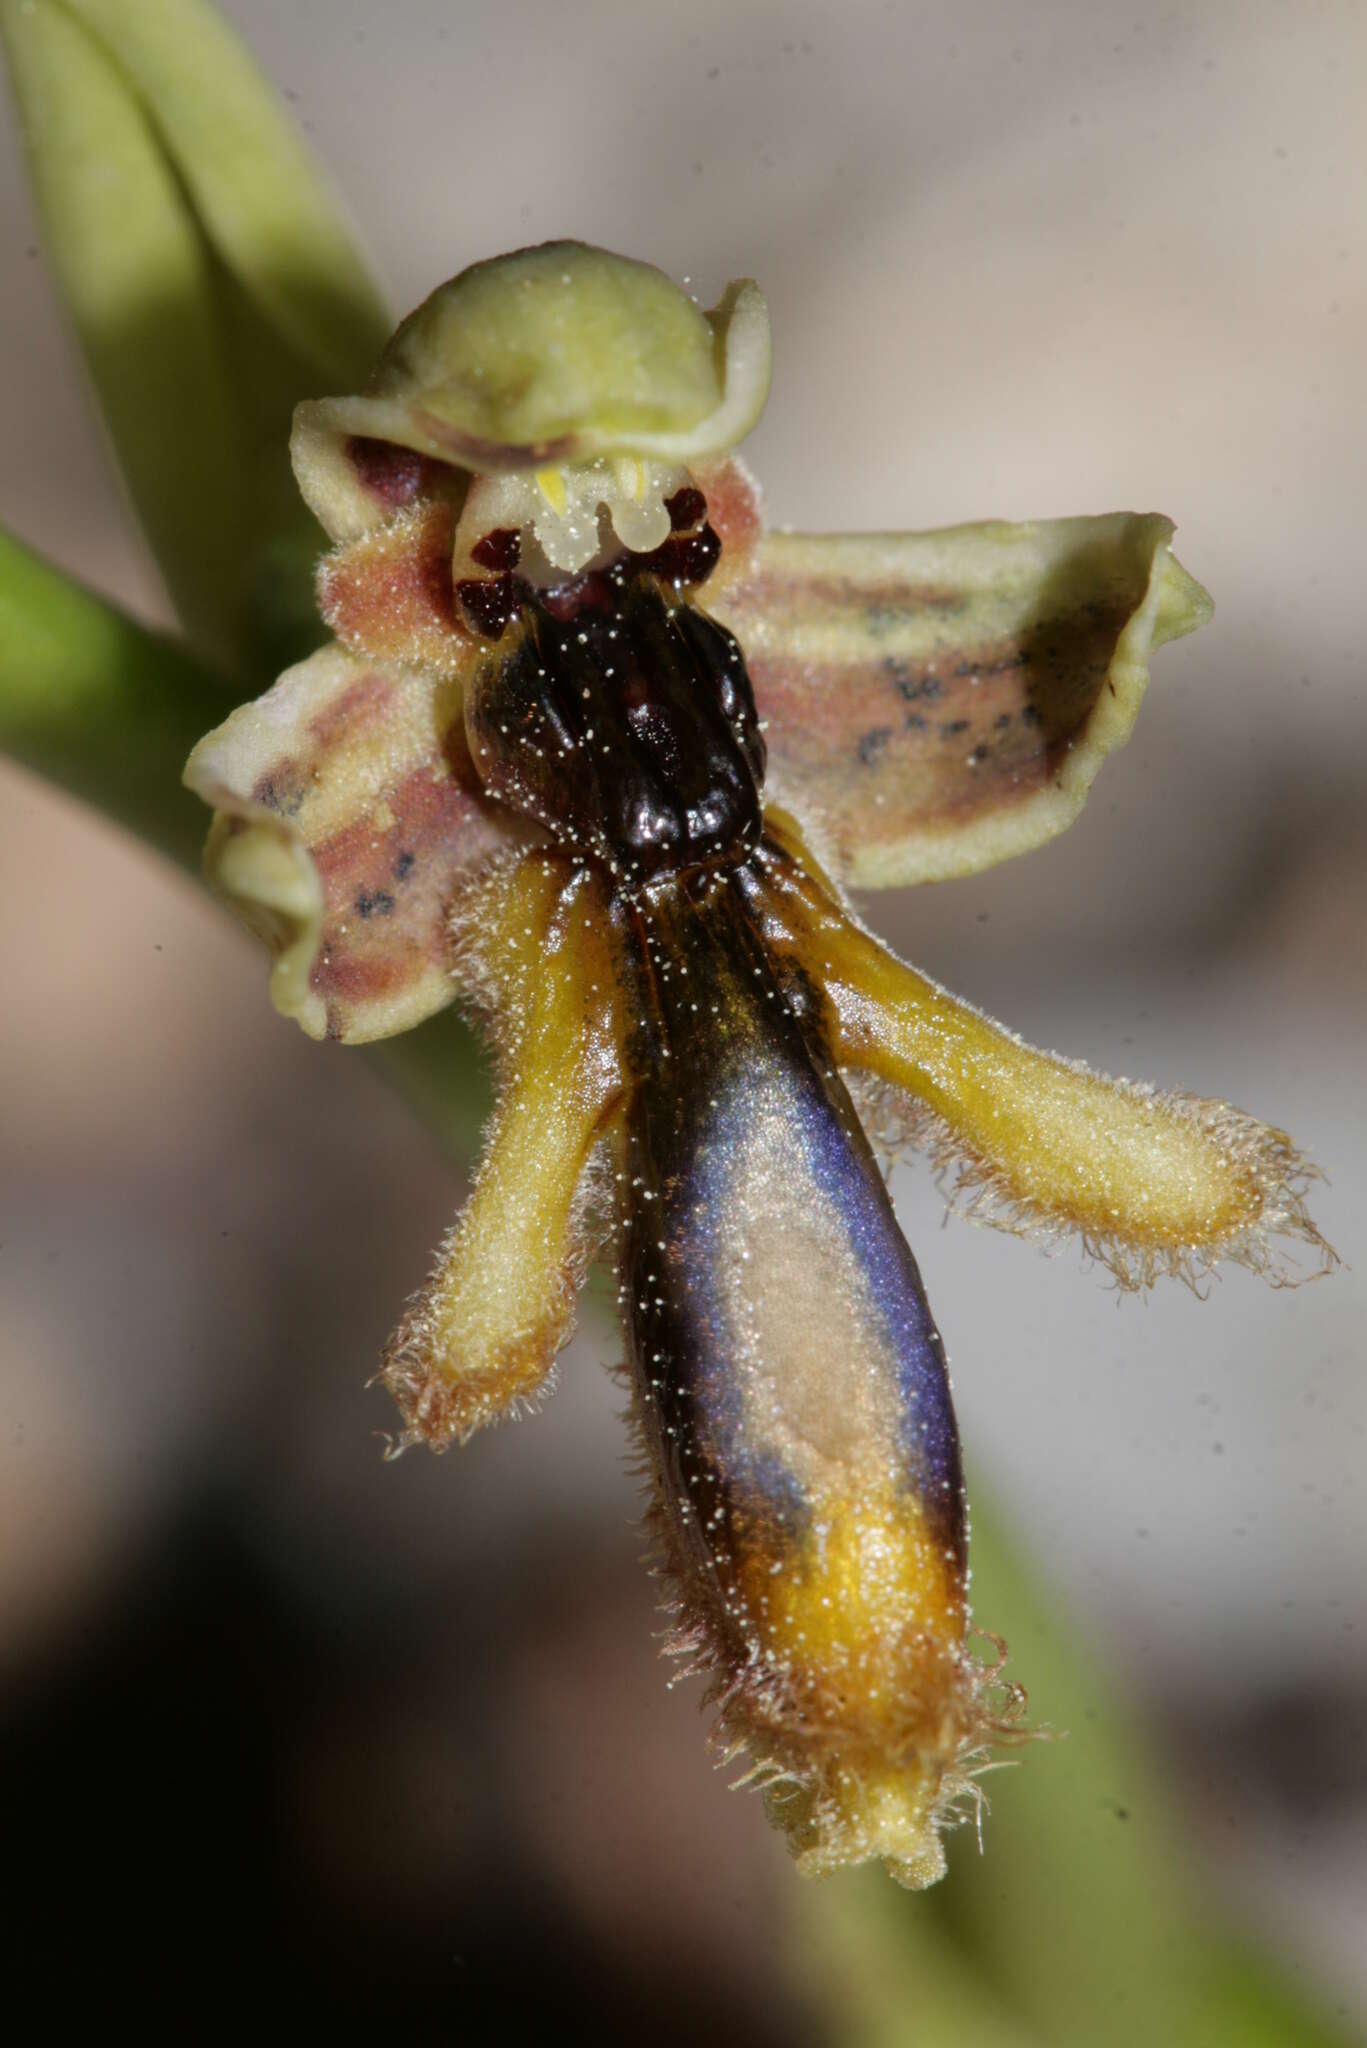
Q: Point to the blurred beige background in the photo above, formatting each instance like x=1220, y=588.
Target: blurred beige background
x=1021, y=260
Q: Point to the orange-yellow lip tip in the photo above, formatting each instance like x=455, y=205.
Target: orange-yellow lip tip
x=877, y=1815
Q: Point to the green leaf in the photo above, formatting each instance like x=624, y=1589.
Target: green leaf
x=99, y=705
x=211, y=285
x=254, y=187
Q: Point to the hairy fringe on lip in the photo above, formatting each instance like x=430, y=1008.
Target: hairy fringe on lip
x=441, y=1409
x=756, y=1727
x=897, y=1124
x=439, y=1405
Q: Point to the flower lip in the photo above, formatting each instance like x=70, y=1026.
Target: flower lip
x=550, y=358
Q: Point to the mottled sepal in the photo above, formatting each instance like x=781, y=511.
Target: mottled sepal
x=530, y=948
x=543, y=360
x=938, y=702
x=1151, y=1181
x=350, y=824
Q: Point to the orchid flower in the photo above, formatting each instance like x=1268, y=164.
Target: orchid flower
x=597, y=757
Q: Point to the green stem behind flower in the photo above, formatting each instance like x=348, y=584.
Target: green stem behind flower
x=100, y=706
x=95, y=703
x=211, y=285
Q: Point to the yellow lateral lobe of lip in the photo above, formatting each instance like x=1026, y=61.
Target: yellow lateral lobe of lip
x=483, y=1334
x=1152, y=1181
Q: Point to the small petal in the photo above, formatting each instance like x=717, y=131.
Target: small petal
x=482, y=1336
x=937, y=702
x=735, y=513
x=360, y=775
x=389, y=597
x=1152, y=1182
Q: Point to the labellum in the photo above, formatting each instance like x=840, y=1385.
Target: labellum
x=595, y=755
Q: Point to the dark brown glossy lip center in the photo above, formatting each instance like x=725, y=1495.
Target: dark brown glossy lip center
x=621, y=717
